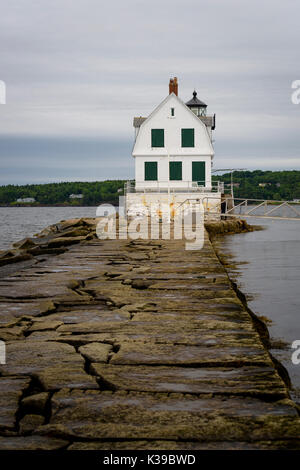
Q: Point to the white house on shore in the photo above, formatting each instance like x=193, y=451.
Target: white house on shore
x=173, y=151
x=173, y=146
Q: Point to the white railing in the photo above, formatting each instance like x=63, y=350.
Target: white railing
x=264, y=208
x=173, y=186
x=254, y=208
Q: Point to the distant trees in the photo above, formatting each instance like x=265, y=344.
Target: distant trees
x=58, y=193
x=281, y=185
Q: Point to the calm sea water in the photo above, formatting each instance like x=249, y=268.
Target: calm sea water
x=20, y=222
x=268, y=267
x=268, y=272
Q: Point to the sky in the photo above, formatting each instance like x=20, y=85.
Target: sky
x=78, y=71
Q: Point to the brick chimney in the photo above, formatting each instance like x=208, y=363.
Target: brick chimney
x=173, y=86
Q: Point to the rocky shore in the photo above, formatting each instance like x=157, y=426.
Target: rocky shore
x=122, y=344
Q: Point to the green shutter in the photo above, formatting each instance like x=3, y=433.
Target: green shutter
x=150, y=171
x=175, y=169
x=157, y=138
x=198, y=172
x=187, y=138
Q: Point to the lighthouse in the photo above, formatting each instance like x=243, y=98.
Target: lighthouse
x=173, y=152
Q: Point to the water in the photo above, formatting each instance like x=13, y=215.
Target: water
x=20, y=222
x=270, y=278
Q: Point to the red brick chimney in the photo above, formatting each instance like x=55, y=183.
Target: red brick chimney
x=173, y=86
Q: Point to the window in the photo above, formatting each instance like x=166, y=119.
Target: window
x=198, y=172
x=175, y=171
x=157, y=137
x=172, y=111
x=187, y=138
x=150, y=171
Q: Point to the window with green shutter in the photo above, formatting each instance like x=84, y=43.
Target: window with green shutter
x=150, y=171
x=175, y=171
x=198, y=172
x=157, y=137
x=187, y=138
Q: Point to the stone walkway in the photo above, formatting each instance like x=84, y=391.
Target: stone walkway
x=135, y=345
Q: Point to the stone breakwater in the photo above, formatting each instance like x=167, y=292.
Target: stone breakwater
x=133, y=345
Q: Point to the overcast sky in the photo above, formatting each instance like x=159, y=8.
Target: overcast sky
x=77, y=71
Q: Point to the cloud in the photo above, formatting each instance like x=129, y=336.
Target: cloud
x=64, y=159
x=81, y=70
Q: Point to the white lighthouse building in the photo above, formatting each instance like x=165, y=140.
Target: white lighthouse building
x=173, y=153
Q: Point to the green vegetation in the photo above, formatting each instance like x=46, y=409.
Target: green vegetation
x=278, y=185
x=58, y=193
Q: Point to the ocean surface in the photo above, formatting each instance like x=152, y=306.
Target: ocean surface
x=20, y=222
x=267, y=269
x=268, y=272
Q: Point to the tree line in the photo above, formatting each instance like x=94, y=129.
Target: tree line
x=276, y=185
x=93, y=193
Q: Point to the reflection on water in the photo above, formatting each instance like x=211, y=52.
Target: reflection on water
x=20, y=222
x=271, y=280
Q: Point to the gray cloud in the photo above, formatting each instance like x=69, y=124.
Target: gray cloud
x=78, y=71
x=28, y=159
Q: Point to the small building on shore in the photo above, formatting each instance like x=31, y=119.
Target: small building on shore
x=26, y=200
x=173, y=153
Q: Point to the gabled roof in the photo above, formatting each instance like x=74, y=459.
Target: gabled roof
x=208, y=120
x=156, y=110
x=168, y=97
x=195, y=102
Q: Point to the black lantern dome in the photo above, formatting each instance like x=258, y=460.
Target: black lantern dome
x=197, y=106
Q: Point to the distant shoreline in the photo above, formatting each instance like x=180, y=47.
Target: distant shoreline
x=113, y=203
